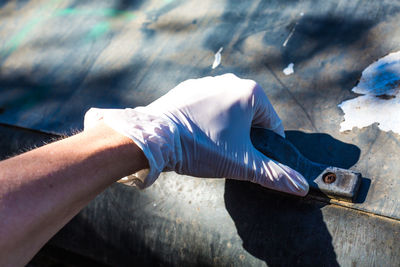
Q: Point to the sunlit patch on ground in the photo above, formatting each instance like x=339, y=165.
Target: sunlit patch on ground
x=380, y=102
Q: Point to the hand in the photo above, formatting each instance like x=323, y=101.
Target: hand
x=202, y=128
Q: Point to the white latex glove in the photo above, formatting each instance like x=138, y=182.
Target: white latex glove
x=202, y=128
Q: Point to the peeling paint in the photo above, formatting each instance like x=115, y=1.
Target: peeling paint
x=217, y=58
x=292, y=32
x=289, y=69
x=381, y=100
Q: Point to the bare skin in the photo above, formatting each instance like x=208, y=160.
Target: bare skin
x=39, y=193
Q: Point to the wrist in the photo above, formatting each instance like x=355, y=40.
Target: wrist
x=157, y=137
x=125, y=156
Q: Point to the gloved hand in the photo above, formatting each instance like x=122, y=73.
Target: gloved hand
x=202, y=128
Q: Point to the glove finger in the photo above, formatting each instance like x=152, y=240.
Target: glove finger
x=265, y=115
x=277, y=176
x=92, y=117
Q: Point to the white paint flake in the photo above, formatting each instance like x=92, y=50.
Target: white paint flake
x=217, y=58
x=380, y=103
x=289, y=69
x=289, y=36
x=292, y=31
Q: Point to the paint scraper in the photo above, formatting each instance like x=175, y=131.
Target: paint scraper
x=328, y=181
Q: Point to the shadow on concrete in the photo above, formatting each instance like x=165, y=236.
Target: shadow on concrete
x=283, y=230
x=278, y=229
x=114, y=4
x=314, y=35
x=18, y=3
x=324, y=149
x=310, y=34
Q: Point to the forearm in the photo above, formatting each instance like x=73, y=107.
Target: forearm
x=40, y=191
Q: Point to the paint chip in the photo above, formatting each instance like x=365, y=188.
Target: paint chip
x=292, y=31
x=289, y=69
x=217, y=59
x=380, y=103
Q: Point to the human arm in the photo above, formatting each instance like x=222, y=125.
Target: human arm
x=41, y=190
x=199, y=128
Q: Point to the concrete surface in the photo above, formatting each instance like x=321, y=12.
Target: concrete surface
x=60, y=57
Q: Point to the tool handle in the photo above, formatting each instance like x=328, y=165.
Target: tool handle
x=331, y=181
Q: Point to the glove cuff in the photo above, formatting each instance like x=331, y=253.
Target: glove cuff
x=157, y=137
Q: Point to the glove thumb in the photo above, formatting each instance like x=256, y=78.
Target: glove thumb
x=277, y=176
